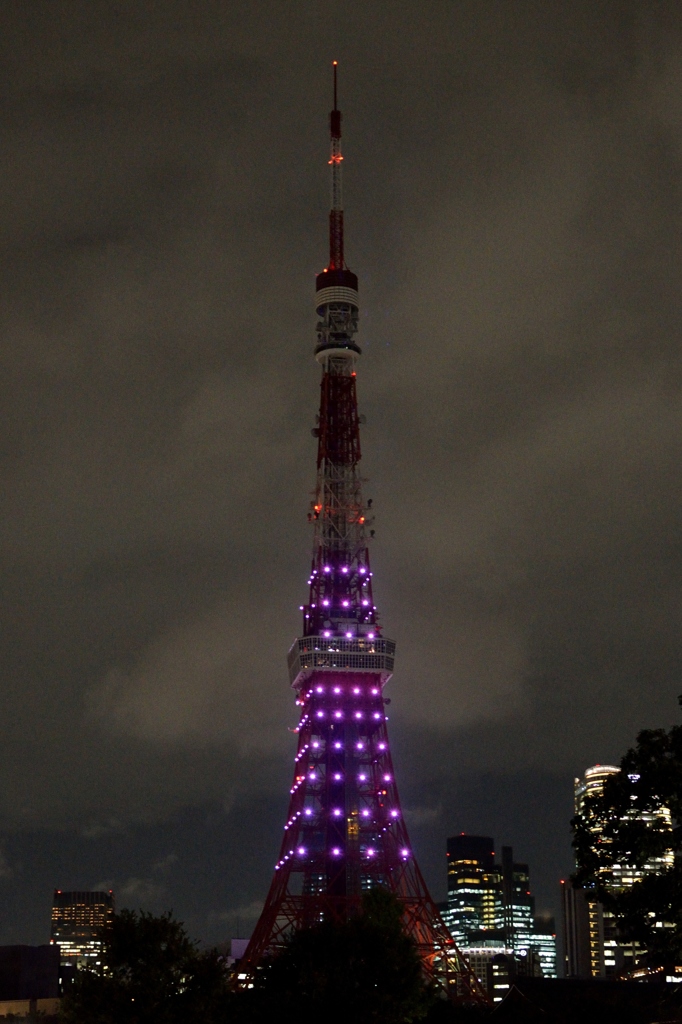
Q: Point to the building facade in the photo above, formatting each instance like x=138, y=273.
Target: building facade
x=592, y=946
x=490, y=910
x=78, y=923
x=473, y=882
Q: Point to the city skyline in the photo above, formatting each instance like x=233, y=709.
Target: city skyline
x=490, y=908
x=514, y=216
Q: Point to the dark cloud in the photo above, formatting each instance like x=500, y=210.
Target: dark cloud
x=513, y=211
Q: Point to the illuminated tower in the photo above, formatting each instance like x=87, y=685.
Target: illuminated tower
x=345, y=831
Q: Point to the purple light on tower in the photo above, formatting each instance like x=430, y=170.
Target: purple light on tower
x=355, y=839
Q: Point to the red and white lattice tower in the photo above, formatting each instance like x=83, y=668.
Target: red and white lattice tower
x=345, y=831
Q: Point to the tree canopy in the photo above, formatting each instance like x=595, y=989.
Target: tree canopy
x=628, y=824
x=154, y=974
x=366, y=970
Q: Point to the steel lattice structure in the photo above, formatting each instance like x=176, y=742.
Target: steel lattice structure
x=345, y=831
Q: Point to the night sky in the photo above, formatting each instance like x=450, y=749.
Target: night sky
x=513, y=194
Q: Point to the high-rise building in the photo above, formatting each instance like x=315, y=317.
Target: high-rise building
x=78, y=922
x=490, y=910
x=592, y=945
x=575, y=919
x=345, y=831
x=473, y=883
x=514, y=910
x=623, y=875
x=542, y=940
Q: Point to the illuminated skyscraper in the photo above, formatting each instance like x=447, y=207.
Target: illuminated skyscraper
x=78, y=921
x=473, y=886
x=514, y=910
x=591, y=941
x=490, y=910
x=623, y=875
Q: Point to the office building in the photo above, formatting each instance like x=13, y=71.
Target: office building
x=623, y=875
x=473, y=881
x=542, y=941
x=78, y=923
x=592, y=946
x=575, y=919
x=490, y=910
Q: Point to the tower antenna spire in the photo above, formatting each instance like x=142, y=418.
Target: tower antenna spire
x=336, y=213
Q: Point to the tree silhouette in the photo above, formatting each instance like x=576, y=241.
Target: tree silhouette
x=153, y=974
x=366, y=970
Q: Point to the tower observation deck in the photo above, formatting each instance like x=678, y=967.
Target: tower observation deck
x=345, y=831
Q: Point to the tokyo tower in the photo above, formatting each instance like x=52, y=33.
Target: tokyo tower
x=345, y=831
